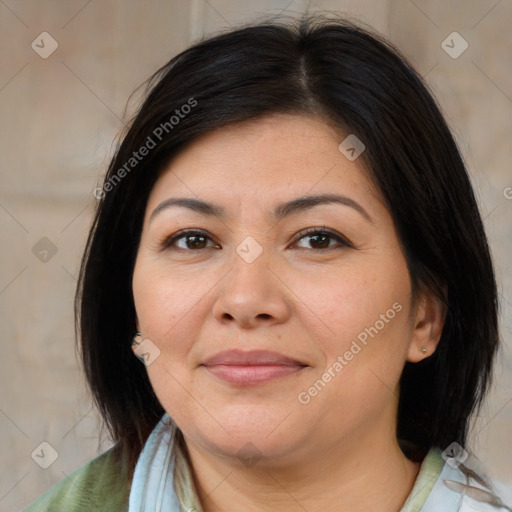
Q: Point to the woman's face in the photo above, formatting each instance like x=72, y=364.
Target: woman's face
x=250, y=277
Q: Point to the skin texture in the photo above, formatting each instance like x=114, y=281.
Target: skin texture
x=306, y=297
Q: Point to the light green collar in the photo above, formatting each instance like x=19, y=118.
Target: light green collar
x=430, y=470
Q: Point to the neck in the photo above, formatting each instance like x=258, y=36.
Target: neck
x=353, y=476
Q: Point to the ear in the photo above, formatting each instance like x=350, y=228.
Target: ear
x=428, y=326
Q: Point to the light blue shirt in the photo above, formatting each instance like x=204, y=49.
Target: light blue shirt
x=152, y=487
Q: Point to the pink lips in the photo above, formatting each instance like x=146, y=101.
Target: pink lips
x=250, y=368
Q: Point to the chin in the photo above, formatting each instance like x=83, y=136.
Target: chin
x=242, y=433
x=251, y=449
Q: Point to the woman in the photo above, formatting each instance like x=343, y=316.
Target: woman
x=288, y=241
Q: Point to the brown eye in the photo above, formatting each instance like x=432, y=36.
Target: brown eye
x=195, y=241
x=189, y=241
x=323, y=239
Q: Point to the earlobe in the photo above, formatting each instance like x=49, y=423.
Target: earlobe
x=428, y=327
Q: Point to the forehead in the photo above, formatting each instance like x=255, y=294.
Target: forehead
x=263, y=160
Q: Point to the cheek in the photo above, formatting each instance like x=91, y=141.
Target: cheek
x=166, y=315
x=170, y=383
x=163, y=311
x=363, y=364
x=357, y=305
x=164, y=301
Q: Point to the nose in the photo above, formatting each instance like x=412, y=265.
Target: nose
x=252, y=294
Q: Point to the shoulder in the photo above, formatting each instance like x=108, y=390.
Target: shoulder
x=458, y=488
x=102, y=484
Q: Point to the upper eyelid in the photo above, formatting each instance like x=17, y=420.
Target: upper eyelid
x=324, y=230
x=171, y=239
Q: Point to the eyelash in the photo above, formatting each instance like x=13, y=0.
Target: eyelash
x=342, y=241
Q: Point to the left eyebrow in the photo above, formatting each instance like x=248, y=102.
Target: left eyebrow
x=304, y=203
x=281, y=211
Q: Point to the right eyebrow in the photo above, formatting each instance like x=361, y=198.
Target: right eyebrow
x=193, y=204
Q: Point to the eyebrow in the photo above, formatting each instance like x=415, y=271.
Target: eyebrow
x=281, y=211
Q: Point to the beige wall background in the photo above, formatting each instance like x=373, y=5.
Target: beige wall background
x=59, y=116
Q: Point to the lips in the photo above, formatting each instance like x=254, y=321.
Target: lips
x=245, y=368
x=252, y=358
